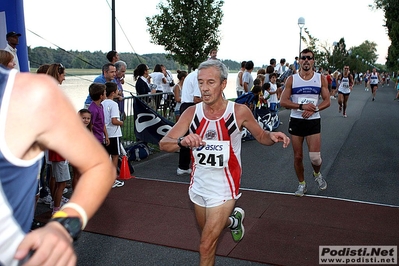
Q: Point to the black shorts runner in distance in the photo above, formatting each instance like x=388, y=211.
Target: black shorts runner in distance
x=304, y=127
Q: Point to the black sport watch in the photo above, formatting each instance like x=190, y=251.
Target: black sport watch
x=179, y=142
x=73, y=225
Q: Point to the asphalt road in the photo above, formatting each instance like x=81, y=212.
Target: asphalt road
x=359, y=153
x=360, y=163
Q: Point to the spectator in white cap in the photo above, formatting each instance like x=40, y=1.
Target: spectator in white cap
x=13, y=40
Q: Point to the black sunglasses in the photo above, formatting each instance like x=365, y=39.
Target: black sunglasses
x=304, y=57
x=60, y=68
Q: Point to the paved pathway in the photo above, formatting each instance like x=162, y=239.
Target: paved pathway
x=360, y=163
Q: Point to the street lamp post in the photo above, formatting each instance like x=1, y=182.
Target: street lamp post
x=301, y=24
x=349, y=58
x=335, y=45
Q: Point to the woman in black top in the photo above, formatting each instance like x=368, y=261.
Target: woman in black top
x=140, y=75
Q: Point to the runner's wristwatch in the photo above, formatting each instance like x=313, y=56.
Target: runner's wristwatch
x=179, y=142
x=73, y=225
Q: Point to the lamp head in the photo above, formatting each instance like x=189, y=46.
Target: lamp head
x=301, y=22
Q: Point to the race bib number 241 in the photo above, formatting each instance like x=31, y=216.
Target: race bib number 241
x=215, y=154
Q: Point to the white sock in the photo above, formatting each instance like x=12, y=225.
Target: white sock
x=233, y=222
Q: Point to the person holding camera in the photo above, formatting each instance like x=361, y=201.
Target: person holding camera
x=170, y=83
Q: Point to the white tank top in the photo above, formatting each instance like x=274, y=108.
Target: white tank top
x=305, y=91
x=216, y=166
x=344, y=85
x=374, y=78
x=238, y=86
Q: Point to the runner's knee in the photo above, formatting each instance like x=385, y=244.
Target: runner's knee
x=315, y=158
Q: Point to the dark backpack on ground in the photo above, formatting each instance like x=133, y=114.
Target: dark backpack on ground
x=138, y=151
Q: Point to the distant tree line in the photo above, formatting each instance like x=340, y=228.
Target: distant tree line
x=391, y=12
x=95, y=60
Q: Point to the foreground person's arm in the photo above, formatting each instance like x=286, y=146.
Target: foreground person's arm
x=50, y=122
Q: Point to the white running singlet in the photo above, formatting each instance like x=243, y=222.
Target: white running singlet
x=304, y=92
x=344, y=85
x=374, y=78
x=217, y=165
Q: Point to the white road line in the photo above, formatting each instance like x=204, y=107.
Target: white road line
x=286, y=193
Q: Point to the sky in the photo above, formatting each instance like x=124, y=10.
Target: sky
x=256, y=30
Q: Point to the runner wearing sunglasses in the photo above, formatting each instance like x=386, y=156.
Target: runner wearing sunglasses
x=301, y=95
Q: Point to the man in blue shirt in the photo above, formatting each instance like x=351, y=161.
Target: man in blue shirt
x=296, y=63
x=108, y=75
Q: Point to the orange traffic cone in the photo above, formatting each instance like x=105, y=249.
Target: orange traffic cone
x=124, y=171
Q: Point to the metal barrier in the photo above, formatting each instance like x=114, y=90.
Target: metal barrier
x=163, y=103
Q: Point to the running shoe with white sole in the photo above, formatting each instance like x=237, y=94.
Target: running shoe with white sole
x=183, y=172
x=321, y=182
x=302, y=188
x=45, y=200
x=64, y=200
x=238, y=232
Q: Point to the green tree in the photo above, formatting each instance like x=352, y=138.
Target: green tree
x=41, y=55
x=340, y=54
x=309, y=41
x=77, y=62
x=391, y=9
x=327, y=62
x=187, y=29
x=312, y=43
x=359, y=55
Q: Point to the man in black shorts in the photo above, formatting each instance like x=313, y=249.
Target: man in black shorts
x=301, y=95
x=374, y=80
